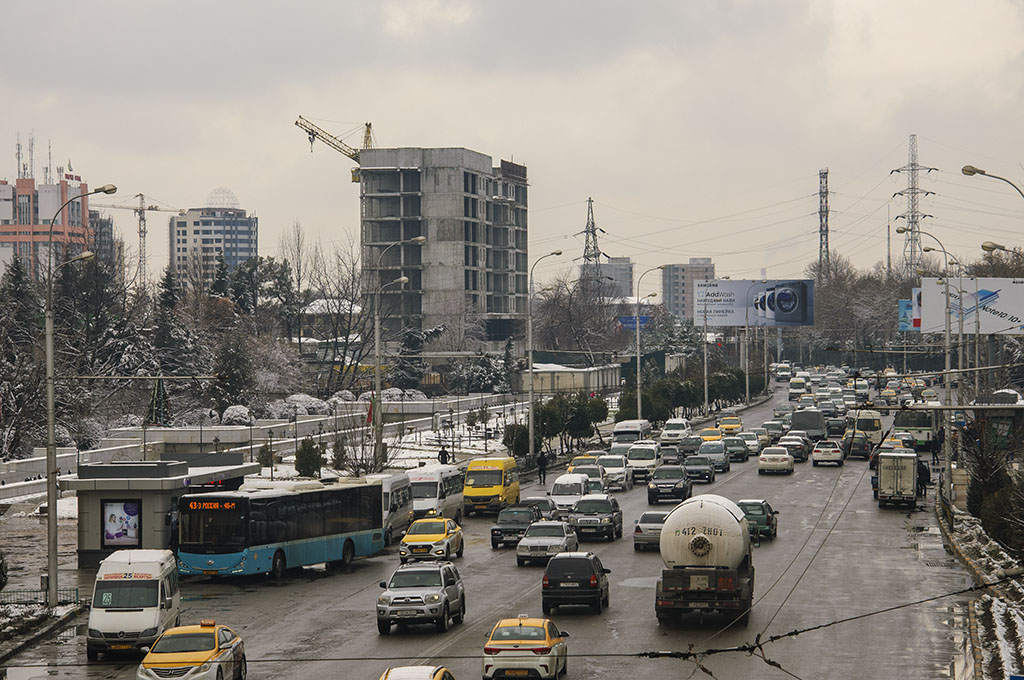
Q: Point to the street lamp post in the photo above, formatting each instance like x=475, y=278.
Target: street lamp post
x=639, y=376
x=378, y=415
x=529, y=352
x=51, y=409
x=746, y=337
x=970, y=170
x=948, y=483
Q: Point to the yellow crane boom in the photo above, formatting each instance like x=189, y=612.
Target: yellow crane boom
x=316, y=132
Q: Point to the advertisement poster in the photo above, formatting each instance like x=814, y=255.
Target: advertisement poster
x=996, y=305
x=915, y=301
x=779, y=302
x=121, y=524
x=906, y=316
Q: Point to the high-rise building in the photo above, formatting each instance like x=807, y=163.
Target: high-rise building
x=26, y=208
x=620, y=270
x=103, y=237
x=202, y=235
x=678, y=286
x=472, y=269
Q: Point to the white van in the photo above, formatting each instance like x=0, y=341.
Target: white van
x=437, y=491
x=631, y=431
x=396, y=502
x=674, y=430
x=797, y=388
x=135, y=599
x=643, y=457
x=568, y=489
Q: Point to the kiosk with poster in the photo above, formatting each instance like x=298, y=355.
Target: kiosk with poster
x=121, y=524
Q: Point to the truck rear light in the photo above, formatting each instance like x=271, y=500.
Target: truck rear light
x=726, y=583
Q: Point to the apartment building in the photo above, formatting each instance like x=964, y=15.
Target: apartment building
x=678, y=285
x=471, y=271
x=202, y=235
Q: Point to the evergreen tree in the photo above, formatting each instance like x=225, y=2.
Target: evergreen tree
x=409, y=368
x=22, y=307
x=170, y=291
x=308, y=459
x=235, y=370
x=221, y=285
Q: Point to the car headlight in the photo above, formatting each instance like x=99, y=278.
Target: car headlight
x=432, y=598
x=205, y=667
x=652, y=485
x=561, y=546
x=148, y=632
x=403, y=551
x=681, y=485
x=573, y=520
x=93, y=633
x=431, y=511
x=384, y=599
x=606, y=520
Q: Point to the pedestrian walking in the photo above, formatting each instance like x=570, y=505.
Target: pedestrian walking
x=542, y=467
x=442, y=456
x=940, y=439
x=923, y=476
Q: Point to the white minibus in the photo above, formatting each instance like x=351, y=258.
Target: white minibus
x=437, y=491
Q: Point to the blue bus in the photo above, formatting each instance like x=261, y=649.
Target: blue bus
x=267, y=527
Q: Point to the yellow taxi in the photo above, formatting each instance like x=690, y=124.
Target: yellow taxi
x=208, y=651
x=888, y=396
x=525, y=647
x=417, y=673
x=730, y=425
x=585, y=459
x=431, y=539
x=710, y=434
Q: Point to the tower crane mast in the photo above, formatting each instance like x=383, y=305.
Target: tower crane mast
x=140, y=211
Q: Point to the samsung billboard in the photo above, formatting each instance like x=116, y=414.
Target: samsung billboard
x=997, y=305
x=781, y=302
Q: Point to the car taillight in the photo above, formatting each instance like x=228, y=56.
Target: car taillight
x=544, y=582
x=638, y=530
x=593, y=580
x=541, y=650
x=492, y=650
x=725, y=583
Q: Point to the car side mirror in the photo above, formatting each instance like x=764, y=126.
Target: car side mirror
x=564, y=633
x=168, y=602
x=403, y=532
x=394, y=507
x=144, y=650
x=606, y=571
x=384, y=584
x=449, y=582
x=549, y=493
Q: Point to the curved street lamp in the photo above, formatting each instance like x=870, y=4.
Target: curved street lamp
x=51, y=437
x=971, y=170
x=639, y=377
x=529, y=351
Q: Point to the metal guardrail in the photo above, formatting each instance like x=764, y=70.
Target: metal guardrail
x=64, y=596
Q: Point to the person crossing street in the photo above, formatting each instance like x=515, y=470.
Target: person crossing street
x=542, y=467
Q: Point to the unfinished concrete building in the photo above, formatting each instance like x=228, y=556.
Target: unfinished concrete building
x=471, y=272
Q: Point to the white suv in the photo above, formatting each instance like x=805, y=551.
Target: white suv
x=423, y=592
x=674, y=430
x=643, y=457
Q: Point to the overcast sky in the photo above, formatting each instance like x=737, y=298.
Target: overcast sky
x=697, y=127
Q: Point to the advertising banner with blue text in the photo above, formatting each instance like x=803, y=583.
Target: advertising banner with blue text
x=779, y=302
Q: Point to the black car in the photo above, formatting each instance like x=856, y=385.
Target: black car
x=835, y=427
x=575, y=578
x=688, y=445
x=668, y=482
x=596, y=515
x=856, y=446
x=699, y=467
x=796, y=448
x=736, y=449
x=670, y=455
x=547, y=507
x=512, y=523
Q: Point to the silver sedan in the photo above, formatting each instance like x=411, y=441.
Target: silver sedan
x=544, y=539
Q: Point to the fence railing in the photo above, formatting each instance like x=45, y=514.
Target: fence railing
x=64, y=596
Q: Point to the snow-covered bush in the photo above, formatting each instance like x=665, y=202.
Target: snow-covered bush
x=237, y=415
x=313, y=406
x=89, y=434
x=280, y=409
x=342, y=395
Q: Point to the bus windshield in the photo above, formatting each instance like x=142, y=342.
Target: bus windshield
x=424, y=490
x=220, y=531
x=625, y=437
x=127, y=594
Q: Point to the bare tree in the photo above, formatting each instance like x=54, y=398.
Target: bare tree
x=577, y=315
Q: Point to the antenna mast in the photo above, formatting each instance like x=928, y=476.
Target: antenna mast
x=591, y=252
x=823, y=259
x=912, y=251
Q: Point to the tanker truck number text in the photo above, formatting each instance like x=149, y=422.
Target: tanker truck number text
x=693, y=531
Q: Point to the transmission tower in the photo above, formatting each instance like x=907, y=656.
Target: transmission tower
x=591, y=268
x=912, y=252
x=823, y=260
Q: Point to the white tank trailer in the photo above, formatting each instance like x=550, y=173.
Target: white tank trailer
x=705, y=545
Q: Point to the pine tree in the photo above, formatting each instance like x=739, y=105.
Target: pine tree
x=170, y=291
x=235, y=371
x=22, y=309
x=308, y=459
x=221, y=285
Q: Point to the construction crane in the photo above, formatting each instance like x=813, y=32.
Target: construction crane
x=140, y=211
x=316, y=132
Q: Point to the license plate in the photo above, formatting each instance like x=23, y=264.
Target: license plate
x=419, y=550
x=588, y=530
x=570, y=585
x=517, y=673
x=210, y=572
x=700, y=605
x=538, y=548
x=698, y=583
x=407, y=613
x=120, y=646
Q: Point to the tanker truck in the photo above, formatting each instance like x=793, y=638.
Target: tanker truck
x=705, y=545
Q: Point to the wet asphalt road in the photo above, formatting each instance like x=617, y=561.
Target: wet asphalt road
x=837, y=556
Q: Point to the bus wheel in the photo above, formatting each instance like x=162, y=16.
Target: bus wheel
x=278, y=566
x=348, y=553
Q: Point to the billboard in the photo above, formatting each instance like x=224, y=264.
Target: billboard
x=121, y=524
x=997, y=305
x=906, y=316
x=779, y=302
x=915, y=305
